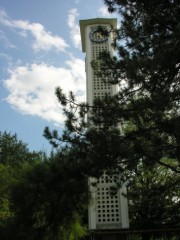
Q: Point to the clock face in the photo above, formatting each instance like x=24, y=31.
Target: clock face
x=97, y=36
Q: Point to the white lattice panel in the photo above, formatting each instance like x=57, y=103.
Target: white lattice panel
x=107, y=203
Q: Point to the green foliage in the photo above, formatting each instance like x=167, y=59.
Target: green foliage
x=40, y=197
x=146, y=69
x=48, y=202
x=153, y=196
x=14, y=152
x=15, y=161
x=5, y=182
x=153, y=192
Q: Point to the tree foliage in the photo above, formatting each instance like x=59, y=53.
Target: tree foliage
x=146, y=69
x=48, y=203
x=153, y=196
x=15, y=160
x=41, y=197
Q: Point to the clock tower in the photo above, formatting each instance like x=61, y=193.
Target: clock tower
x=95, y=41
x=106, y=211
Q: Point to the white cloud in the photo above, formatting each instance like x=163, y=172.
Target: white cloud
x=74, y=28
x=43, y=40
x=32, y=88
x=104, y=11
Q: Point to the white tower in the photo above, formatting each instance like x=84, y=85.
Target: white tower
x=106, y=211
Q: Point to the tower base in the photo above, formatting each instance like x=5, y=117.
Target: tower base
x=109, y=235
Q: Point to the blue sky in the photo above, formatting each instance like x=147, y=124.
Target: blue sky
x=40, y=49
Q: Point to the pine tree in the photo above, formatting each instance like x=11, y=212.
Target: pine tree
x=147, y=71
x=147, y=106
